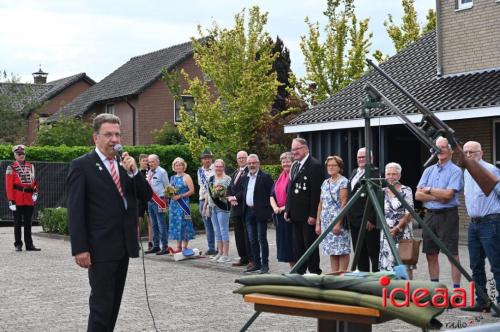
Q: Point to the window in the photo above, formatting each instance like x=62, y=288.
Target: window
x=42, y=122
x=110, y=108
x=496, y=143
x=464, y=4
x=185, y=101
x=206, y=78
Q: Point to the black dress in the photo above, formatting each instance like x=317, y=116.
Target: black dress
x=142, y=206
x=284, y=237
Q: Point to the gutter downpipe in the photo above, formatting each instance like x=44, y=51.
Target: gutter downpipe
x=133, y=121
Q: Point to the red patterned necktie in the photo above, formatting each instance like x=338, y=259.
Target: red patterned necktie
x=115, y=176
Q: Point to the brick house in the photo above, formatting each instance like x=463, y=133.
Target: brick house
x=454, y=71
x=42, y=99
x=136, y=93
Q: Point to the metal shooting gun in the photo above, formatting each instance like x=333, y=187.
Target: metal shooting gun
x=429, y=129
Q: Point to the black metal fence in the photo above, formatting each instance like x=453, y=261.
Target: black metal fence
x=51, y=179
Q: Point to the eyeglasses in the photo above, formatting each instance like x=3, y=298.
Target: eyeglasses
x=297, y=149
x=110, y=135
x=469, y=153
x=361, y=157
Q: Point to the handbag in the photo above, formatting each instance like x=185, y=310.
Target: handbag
x=409, y=250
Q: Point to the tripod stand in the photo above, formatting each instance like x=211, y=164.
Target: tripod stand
x=368, y=189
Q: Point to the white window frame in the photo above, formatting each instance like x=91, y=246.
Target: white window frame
x=110, y=108
x=42, y=122
x=464, y=4
x=496, y=159
x=177, y=120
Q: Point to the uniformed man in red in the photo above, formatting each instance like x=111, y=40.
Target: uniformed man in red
x=22, y=193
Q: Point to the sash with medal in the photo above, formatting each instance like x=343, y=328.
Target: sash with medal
x=161, y=202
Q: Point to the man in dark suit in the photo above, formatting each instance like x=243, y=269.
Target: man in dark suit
x=255, y=194
x=102, y=212
x=370, y=248
x=304, y=190
x=240, y=233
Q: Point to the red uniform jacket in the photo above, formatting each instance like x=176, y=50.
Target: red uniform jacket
x=20, y=183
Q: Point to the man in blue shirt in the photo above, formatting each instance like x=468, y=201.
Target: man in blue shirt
x=157, y=177
x=484, y=228
x=438, y=189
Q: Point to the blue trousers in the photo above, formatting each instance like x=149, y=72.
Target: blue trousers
x=257, y=234
x=484, y=242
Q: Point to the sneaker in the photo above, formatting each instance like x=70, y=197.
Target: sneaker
x=211, y=252
x=224, y=259
x=264, y=269
x=253, y=268
x=153, y=250
x=215, y=258
x=150, y=245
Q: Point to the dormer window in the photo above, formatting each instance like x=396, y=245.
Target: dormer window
x=464, y=4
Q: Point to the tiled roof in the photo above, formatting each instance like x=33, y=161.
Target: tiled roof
x=27, y=94
x=128, y=80
x=414, y=68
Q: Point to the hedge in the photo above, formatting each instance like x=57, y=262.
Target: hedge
x=55, y=220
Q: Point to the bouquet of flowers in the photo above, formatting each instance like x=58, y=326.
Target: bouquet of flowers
x=219, y=191
x=170, y=191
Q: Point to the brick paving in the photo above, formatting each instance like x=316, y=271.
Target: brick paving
x=46, y=291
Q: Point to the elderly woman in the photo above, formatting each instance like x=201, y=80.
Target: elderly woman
x=396, y=216
x=181, y=225
x=337, y=244
x=219, y=210
x=284, y=235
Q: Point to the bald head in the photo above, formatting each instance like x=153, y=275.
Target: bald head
x=473, y=150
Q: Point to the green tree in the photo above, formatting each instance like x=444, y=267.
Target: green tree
x=66, y=131
x=167, y=135
x=338, y=60
x=231, y=108
x=409, y=30
x=17, y=100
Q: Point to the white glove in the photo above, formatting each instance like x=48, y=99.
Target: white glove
x=34, y=197
x=12, y=206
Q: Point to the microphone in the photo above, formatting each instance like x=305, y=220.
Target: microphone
x=119, y=151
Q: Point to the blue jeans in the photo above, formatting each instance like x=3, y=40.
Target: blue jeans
x=257, y=234
x=209, y=228
x=484, y=241
x=159, y=225
x=220, y=220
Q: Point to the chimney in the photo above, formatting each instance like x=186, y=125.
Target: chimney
x=40, y=77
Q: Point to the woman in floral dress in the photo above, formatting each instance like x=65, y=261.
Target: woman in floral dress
x=396, y=216
x=181, y=225
x=337, y=244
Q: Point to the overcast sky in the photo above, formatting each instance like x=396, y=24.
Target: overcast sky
x=96, y=36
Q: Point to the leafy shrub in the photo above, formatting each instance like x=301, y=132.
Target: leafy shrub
x=273, y=170
x=66, y=131
x=54, y=220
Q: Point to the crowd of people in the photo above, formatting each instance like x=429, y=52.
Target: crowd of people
x=301, y=203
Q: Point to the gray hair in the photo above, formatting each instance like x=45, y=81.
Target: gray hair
x=155, y=156
x=286, y=155
x=442, y=137
x=104, y=118
x=220, y=161
x=253, y=155
x=301, y=140
x=394, y=165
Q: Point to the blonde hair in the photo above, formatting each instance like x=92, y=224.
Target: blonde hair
x=179, y=160
x=338, y=160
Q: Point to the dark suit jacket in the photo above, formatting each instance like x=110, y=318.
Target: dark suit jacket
x=304, y=191
x=235, y=188
x=262, y=192
x=355, y=214
x=98, y=220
